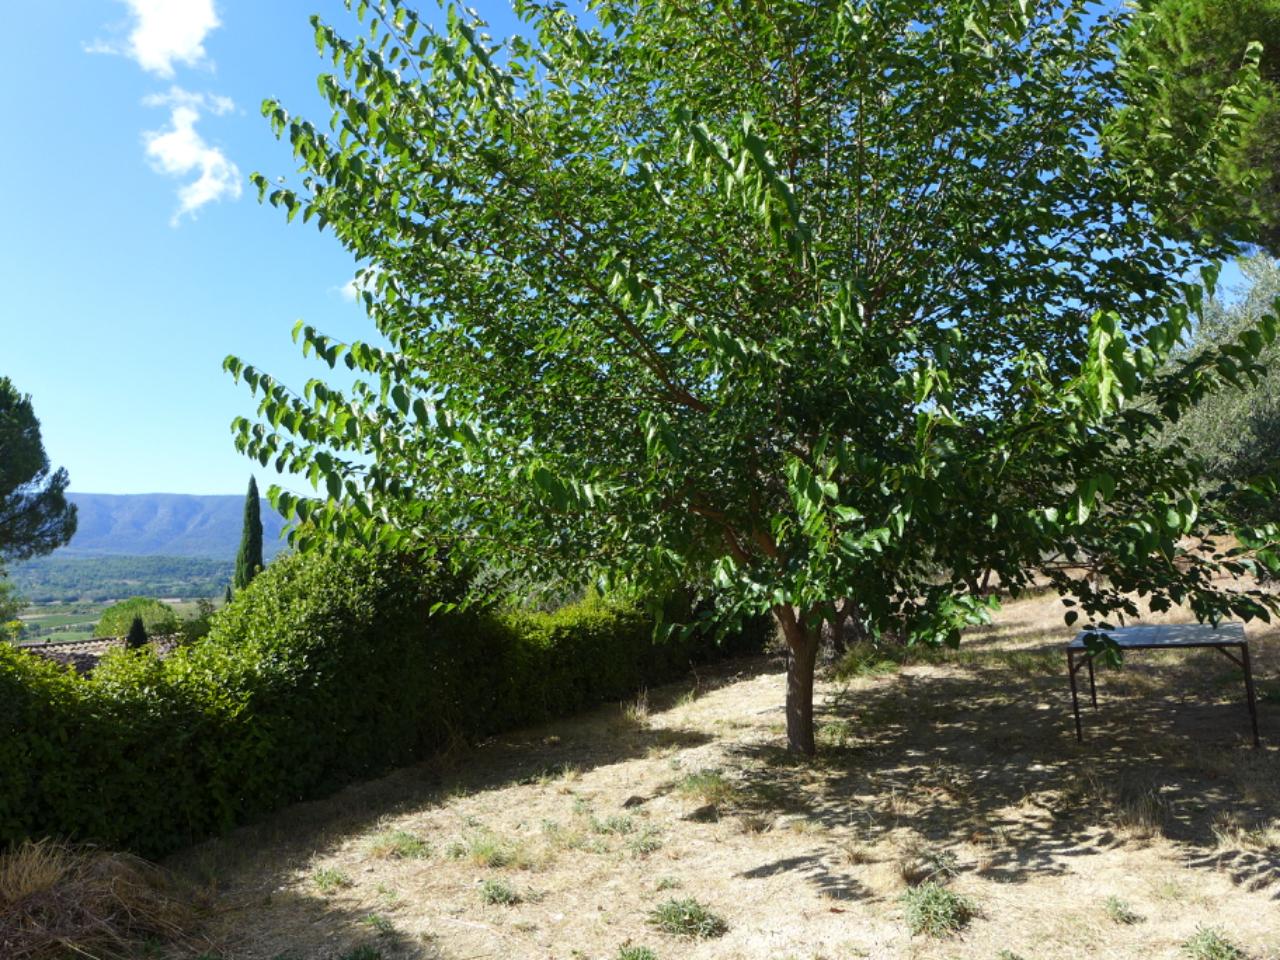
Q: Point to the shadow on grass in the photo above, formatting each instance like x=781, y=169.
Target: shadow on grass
x=277, y=849
x=982, y=753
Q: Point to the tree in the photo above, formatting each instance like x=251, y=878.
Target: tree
x=35, y=517
x=1201, y=45
x=797, y=301
x=137, y=637
x=249, y=556
x=1237, y=433
x=158, y=618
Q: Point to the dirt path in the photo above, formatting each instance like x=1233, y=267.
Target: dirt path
x=964, y=770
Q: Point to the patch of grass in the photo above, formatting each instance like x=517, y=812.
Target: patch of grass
x=921, y=864
x=868, y=660
x=614, y=824
x=364, y=952
x=645, y=842
x=1209, y=943
x=709, y=786
x=498, y=893
x=381, y=924
x=400, y=845
x=669, y=883
x=485, y=848
x=934, y=911
x=636, y=712
x=686, y=917
x=636, y=953
x=330, y=880
x=1119, y=911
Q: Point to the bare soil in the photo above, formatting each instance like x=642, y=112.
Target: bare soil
x=963, y=770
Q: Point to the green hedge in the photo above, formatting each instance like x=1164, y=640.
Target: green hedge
x=321, y=672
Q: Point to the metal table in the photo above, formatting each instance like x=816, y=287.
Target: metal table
x=1166, y=636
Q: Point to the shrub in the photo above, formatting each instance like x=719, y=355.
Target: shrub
x=158, y=618
x=1209, y=943
x=630, y=952
x=687, y=918
x=933, y=910
x=324, y=670
x=498, y=893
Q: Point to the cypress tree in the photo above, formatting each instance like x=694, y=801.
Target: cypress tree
x=249, y=557
x=137, y=637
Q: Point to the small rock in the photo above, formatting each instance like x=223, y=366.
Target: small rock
x=633, y=801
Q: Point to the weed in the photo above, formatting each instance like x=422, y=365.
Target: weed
x=636, y=953
x=486, y=849
x=710, y=786
x=645, y=842
x=498, y=892
x=614, y=824
x=400, y=845
x=687, y=918
x=364, y=952
x=636, y=713
x=1209, y=943
x=329, y=880
x=1008, y=955
x=581, y=806
x=669, y=883
x=933, y=910
x=379, y=923
x=1119, y=911
x=922, y=864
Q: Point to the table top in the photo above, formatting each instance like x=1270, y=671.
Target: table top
x=1171, y=635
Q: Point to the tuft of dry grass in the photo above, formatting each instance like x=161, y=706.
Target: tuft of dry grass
x=60, y=900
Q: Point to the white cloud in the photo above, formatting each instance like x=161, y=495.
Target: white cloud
x=179, y=151
x=165, y=32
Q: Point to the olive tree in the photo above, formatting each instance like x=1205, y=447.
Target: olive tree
x=812, y=302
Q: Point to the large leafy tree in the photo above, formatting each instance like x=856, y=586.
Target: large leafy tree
x=1201, y=45
x=35, y=517
x=807, y=300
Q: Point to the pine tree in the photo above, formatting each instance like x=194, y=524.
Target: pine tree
x=137, y=637
x=249, y=557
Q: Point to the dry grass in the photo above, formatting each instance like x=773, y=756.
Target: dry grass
x=57, y=900
x=954, y=772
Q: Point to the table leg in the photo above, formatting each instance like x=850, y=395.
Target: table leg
x=1093, y=687
x=1075, y=698
x=1248, y=689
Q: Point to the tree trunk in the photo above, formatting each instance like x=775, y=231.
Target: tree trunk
x=802, y=651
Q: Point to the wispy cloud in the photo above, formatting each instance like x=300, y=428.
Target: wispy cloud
x=164, y=32
x=179, y=150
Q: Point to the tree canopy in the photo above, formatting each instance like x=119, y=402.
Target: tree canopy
x=800, y=300
x=1201, y=45
x=157, y=618
x=35, y=517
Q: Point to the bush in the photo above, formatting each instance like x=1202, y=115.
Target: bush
x=322, y=671
x=933, y=910
x=159, y=619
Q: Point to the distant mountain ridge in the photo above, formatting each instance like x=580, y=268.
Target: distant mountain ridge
x=165, y=524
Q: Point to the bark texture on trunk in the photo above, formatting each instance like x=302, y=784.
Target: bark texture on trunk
x=802, y=656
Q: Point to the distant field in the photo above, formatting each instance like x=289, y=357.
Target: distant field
x=64, y=622
x=96, y=579
x=61, y=622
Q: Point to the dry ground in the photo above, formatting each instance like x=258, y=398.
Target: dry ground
x=966, y=769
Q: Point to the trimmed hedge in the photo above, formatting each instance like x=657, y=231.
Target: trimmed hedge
x=322, y=671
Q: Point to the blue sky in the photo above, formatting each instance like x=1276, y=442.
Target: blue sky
x=130, y=266
x=134, y=255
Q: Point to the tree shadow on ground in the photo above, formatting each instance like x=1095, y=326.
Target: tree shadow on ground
x=322, y=926
x=981, y=754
